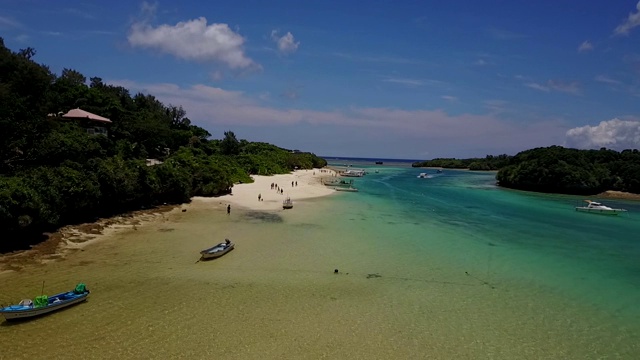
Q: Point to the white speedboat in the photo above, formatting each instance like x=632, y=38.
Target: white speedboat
x=353, y=173
x=424, y=176
x=597, y=208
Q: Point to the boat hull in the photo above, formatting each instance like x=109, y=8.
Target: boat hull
x=216, y=251
x=17, y=312
x=349, y=189
x=287, y=204
x=600, y=211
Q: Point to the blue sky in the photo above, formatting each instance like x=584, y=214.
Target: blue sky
x=381, y=78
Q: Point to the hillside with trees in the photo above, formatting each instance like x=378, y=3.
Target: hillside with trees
x=489, y=162
x=56, y=171
x=556, y=169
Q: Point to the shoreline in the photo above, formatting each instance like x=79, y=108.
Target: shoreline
x=618, y=195
x=297, y=185
x=72, y=238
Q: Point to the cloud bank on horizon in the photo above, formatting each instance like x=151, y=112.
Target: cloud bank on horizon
x=380, y=81
x=611, y=134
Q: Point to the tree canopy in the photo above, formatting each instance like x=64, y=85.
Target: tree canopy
x=53, y=172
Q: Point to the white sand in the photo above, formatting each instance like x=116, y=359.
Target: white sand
x=246, y=195
x=243, y=196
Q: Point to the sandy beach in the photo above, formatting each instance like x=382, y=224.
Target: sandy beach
x=299, y=185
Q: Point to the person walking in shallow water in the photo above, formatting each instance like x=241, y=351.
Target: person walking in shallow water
x=229, y=209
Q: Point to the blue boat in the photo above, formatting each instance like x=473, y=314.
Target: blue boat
x=44, y=304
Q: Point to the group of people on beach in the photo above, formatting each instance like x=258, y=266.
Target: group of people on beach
x=278, y=189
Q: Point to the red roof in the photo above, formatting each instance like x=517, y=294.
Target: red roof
x=81, y=114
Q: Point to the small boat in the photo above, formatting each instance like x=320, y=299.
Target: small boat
x=44, y=304
x=353, y=173
x=337, y=182
x=287, y=203
x=597, y=208
x=350, y=189
x=424, y=176
x=439, y=171
x=217, y=250
x=379, y=162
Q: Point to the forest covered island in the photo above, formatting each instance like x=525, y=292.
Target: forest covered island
x=556, y=169
x=57, y=170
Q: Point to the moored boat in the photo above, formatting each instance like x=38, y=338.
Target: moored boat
x=337, y=182
x=44, y=304
x=287, y=203
x=217, y=250
x=424, y=176
x=353, y=173
x=597, y=208
x=349, y=189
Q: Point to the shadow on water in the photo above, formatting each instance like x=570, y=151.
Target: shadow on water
x=263, y=216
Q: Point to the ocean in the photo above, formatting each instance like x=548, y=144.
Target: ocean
x=447, y=267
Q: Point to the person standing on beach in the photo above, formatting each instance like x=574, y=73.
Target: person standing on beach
x=228, y=209
x=259, y=197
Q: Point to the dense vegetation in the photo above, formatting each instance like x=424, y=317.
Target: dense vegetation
x=490, y=162
x=52, y=172
x=556, y=169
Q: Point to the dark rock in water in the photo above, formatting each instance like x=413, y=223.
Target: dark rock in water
x=370, y=276
x=335, y=271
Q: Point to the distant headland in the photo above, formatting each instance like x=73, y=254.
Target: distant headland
x=556, y=169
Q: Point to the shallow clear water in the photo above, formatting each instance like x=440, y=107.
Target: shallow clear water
x=449, y=267
x=500, y=233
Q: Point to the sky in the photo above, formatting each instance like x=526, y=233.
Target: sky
x=376, y=78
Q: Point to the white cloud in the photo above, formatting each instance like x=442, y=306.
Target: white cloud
x=6, y=22
x=585, y=46
x=193, y=40
x=449, y=98
x=404, y=81
x=216, y=108
x=480, y=62
x=629, y=23
x=286, y=43
x=607, y=80
x=22, y=38
x=613, y=134
x=537, y=86
x=496, y=106
x=216, y=75
x=567, y=87
x=557, y=85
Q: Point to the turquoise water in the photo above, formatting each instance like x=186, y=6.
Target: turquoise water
x=504, y=238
